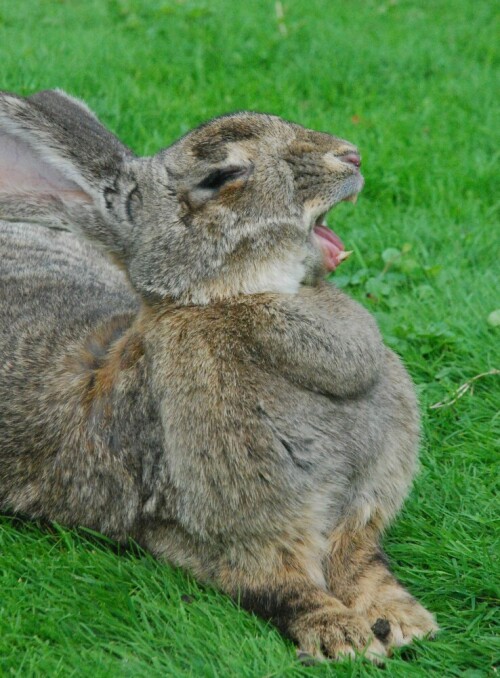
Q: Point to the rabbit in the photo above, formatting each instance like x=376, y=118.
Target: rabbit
x=175, y=369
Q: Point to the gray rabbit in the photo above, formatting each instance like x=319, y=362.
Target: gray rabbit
x=209, y=395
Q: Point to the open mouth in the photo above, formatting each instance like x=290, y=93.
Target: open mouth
x=332, y=247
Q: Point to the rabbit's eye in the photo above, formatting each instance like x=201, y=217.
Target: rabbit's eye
x=221, y=176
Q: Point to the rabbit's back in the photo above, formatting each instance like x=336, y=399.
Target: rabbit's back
x=51, y=279
x=62, y=305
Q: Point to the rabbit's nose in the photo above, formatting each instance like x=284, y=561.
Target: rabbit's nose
x=353, y=158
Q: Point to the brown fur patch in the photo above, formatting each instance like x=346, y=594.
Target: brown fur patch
x=103, y=358
x=230, y=193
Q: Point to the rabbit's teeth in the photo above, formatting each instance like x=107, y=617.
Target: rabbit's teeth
x=342, y=256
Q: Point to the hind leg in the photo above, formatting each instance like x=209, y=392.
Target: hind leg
x=357, y=572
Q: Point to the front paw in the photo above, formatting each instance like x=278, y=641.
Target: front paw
x=326, y=634
x=398, y=619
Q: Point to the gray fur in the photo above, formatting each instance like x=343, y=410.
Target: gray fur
x=191, y=400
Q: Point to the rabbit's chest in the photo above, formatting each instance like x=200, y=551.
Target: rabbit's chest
x=246, y=449
x=247, y=453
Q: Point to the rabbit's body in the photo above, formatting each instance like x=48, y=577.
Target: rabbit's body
x=296, y=451
x=262, y=439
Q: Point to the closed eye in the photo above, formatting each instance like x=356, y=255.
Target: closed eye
x=221, y=176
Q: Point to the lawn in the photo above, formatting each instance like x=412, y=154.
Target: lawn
x=414, y=84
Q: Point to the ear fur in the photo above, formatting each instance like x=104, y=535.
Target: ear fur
x=57, y=163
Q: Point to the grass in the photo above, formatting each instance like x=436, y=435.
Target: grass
x=414, y=85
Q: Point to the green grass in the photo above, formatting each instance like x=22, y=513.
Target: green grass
x=414, y=84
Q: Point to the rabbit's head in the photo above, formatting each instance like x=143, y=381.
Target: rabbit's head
x=233, y=207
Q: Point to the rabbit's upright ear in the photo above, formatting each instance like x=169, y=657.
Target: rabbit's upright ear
x=60, y=167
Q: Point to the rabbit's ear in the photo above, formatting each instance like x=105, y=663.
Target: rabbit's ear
x=59, y=166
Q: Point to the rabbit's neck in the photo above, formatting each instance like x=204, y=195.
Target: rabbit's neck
x=281, y=276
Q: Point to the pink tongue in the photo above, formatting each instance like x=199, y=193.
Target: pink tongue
x=331, y=246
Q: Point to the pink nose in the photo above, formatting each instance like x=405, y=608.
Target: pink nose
x=353, y=158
